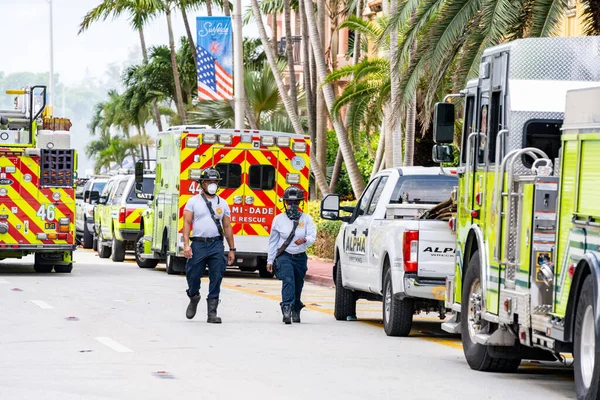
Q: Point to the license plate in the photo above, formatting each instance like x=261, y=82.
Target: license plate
x=50, y=225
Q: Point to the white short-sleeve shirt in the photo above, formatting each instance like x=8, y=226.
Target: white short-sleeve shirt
x=203, y=224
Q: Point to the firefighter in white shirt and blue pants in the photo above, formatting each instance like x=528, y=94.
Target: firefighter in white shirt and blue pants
x=292, y=263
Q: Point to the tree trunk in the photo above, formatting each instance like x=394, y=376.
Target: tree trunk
x=209, y=8
x=308, y=89
x=337, y=169
x=356, y=180
x=250, y=115
x=378, y=155
x=226, y=8
x=320, y=178
x=357, y=48
x=290, y=54
x=190, y=37
x=321, y=106
x=388, y=159
x=178, y=95
x=274, y=36
x=395, y=124
x=157, y=120
x=411, y=114
x=147, y=146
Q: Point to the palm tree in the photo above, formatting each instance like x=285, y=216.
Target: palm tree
x=166, y=7
x=117, y=152
x=294, y=119
x=140, y=12
x=356, y=179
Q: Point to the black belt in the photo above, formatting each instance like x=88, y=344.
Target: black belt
x=205, y=239
x=294, y=255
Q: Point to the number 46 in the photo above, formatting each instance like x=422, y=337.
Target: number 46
x=47, y=213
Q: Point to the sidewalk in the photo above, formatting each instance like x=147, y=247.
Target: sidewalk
x=320, y=272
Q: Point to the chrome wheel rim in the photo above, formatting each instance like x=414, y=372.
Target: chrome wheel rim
x=587, y=352
x=387, y=303
x=474, y=312
x=139, y=246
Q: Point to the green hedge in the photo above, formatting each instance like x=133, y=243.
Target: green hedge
x=327, y=231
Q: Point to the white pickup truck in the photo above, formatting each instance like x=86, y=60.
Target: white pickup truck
x=385, y=251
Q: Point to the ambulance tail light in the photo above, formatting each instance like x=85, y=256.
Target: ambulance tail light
x=283, y=141
x=122, y=214
x=209, y=138
x=410, y=249
x=292, y=178
x=299, y=147
x=192, y=141
x=225, y=139
x=64, y=225
x=267, y=141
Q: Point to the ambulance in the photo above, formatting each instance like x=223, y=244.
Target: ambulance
x=255, y=167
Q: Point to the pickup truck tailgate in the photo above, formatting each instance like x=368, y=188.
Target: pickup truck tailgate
x=437, y=248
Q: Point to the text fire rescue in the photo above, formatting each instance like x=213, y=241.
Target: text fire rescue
x=252, y=215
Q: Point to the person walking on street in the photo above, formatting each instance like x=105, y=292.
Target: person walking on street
x=291, y=233
x=208, y=216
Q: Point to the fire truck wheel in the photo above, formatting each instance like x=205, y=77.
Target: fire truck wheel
x=95, y=242
x=63, y=269
x=397, y=314
x=139, y=249
x=103, y=250
x=175, y=265
x=41, y=268
x=345, y=300
x=262, y=270
x=586, y=352
x=118, y=250
x=88, y=238
x=477, y=355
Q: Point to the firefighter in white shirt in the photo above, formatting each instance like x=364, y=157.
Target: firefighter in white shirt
x=208, y=216
x=287, y=250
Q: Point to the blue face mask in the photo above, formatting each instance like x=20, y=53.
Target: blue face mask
x=292, y=210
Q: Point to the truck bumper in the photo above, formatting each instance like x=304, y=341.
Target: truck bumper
x=129, y=235
x=424, y=290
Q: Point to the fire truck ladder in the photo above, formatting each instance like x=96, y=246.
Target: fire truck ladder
x=22, y=116
x=514, y=194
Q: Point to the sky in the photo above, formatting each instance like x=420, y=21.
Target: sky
x=25, y=44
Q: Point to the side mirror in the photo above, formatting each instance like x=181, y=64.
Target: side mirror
x=443, y=123
x=139, y=187
x=94, y=196
x=330, y=207
x=139, y=172
x=86, y=196
x=442, y=153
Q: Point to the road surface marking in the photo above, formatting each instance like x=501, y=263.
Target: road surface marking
x=118, y=347
x=42, y=304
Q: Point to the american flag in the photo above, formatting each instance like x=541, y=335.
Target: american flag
x=214, y=82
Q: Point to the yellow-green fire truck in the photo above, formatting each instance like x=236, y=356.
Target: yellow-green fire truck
x=527, y=277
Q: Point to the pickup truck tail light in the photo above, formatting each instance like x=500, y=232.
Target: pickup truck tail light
x=122, y=214
x=410, y=248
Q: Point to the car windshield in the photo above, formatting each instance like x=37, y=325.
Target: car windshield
x=98, y=186
x=424, y=189
x=145, y=195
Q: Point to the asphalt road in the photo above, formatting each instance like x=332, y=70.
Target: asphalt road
x=115, y=331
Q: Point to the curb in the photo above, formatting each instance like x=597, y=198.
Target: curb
x=319, y=280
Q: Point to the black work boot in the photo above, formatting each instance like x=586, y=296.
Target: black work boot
x=296, y=314
x=192, y=307
x=286, y=309
x=212, y=305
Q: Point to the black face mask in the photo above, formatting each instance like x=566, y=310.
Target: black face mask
x=293, y=211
